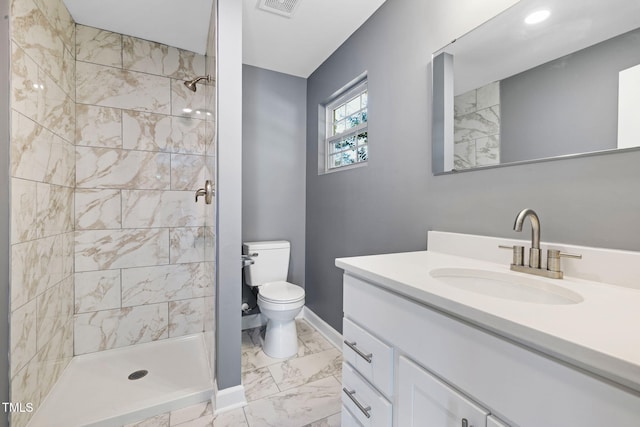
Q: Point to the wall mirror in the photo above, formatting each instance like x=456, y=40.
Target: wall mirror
x=541, y=80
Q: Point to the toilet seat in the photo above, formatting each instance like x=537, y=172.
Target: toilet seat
x=280, y=293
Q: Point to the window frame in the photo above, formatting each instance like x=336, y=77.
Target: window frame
x=329, y=138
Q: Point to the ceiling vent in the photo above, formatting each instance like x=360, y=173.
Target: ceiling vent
x=279, y=7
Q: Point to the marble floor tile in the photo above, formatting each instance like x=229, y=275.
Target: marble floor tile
x=303, y=327
x=234, y=418
x=254, y=357
x=296, y=407
x=258, y=383
x=315, y=342
x=190, y=413
x=332, y=421
x=302, y=370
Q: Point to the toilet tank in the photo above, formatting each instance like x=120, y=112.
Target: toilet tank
x=271, y=264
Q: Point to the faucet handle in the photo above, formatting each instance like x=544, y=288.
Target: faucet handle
x=518, y=253
x=553, y=258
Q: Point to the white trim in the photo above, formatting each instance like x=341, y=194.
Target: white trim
x=321, y=326
x=253, y=321
x=228, y=398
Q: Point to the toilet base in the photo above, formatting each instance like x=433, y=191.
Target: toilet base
x=281, y=339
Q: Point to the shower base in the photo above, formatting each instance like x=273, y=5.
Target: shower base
x=94, y=389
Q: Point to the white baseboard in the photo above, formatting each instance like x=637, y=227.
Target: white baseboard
x=227, y=399
x=321, y=326
x=253, y=321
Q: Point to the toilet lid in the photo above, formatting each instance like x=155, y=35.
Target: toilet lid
x=281, y=292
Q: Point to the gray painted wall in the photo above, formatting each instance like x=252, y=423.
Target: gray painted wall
x=273, y=161
x=229, y=195
x=4, y=207
x=389, y=205
x=566, y=106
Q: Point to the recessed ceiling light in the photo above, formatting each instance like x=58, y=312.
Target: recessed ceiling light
x=537, y=17
x=187, y=110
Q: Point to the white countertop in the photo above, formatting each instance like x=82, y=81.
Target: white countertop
x=600, y=334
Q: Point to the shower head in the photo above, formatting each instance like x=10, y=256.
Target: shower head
x=191, y=84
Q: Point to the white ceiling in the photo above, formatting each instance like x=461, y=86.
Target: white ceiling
x=178, y=23
x=298, y=45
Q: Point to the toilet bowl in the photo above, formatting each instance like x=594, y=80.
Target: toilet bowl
x=279, y=301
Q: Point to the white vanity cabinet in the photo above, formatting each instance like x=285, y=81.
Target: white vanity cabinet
x=444, y=371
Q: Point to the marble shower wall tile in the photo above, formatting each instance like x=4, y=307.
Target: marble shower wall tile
x=112, y=168
x=59, y=18
x=54, y=215
x=56, y=109
x=187, y=172
x=25, y=83
x=146, y=131
x=140, y=237
x=36, y=266
x=117, y=88
x=68, y=248
x=155, y=58
x=145, y=209
x=158, y=132
x=465, y=103
x=55, y=309
x=39, y=155
x=54, y=357
x=31, y=30
x=186, y=317
x=98, y=46
x=98, y=126
x=182, y=98
x=25, y=387
x=98, y=209
x=111, y=249
x=162, y=283
x=97, y=290
x=23, y=336
x=188, y=135
x=187, y=245
x=103, y=330
x=23, y=210
x=43, y=177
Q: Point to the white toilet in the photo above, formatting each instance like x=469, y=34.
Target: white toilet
x=279, y=300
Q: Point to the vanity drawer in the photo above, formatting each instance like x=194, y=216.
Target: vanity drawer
x=365, y=403
x=372, y=358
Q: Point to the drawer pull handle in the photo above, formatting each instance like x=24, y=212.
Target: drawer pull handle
x=465, y=423
x=364, y=410
x=352, y=346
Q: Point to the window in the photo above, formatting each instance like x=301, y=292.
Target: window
x=346, y=142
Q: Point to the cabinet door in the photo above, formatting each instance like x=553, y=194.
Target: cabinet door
x=348, y=420
x=424, y=400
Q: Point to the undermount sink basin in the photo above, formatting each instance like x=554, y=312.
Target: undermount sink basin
x=506, y=286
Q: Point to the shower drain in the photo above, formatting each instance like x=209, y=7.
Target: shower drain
x=138, y=374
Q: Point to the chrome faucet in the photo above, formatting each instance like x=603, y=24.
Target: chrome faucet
x=534, y=252
x=553, y=255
